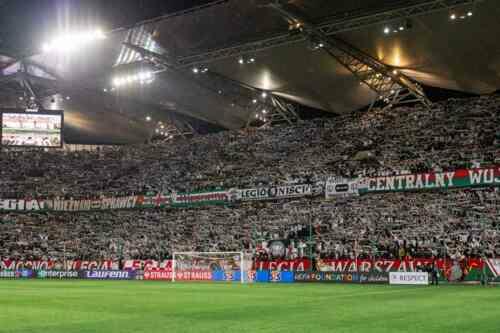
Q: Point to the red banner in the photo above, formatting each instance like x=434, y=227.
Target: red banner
x=452, y=269
x=71, y=265
x=298, y=265
x=147, y=264
x=365, y=266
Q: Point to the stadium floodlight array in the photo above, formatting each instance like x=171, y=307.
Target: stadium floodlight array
x=193, y=262
x=72, y=41
x=143, y=77
x=462, y=16
x=243, y=60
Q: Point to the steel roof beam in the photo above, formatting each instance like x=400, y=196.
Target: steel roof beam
x=390, y=85
x=331, y=26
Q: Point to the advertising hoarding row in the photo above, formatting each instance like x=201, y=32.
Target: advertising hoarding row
x=67, y=275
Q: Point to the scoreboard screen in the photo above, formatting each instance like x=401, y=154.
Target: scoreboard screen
x=24, y=129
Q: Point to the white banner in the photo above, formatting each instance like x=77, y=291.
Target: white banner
x=413, y=278
x=341, y=187
x=278, y=192
x=29, y=205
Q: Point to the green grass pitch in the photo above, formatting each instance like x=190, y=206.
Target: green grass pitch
x=122, y=307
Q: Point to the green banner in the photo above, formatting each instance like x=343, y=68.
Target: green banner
x=197, y=199
x=485, y=177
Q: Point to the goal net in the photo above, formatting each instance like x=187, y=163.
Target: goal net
x=211, y=266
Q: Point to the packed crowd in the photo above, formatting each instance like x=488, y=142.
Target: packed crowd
x=454, y=134
x=452, y=223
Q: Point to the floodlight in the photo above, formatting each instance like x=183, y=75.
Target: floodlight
x=453, y=16
x=46, y=47
x=143, y=76
x=117, y=81
x=148, y=118
x=387, y=30
x=99, y=34
x=71, y=41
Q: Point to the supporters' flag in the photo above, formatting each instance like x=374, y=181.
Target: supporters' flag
x=494, y=266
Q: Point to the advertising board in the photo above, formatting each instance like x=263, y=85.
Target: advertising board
x=409, y=278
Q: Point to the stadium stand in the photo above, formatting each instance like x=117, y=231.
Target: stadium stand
x=457, y=133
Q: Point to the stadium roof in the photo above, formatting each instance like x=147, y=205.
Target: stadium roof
x=433, y=49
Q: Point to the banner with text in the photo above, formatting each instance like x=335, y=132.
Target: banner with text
x=274, y=193
x=341, y=187
x=452, y=270
x=48, y=265
x=333, y=188
x=200, y=199
x=412, y=278
x=462, y=178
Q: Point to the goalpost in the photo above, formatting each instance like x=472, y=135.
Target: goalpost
x=193, y=263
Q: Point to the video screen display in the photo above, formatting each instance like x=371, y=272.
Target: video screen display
x=21, y=129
